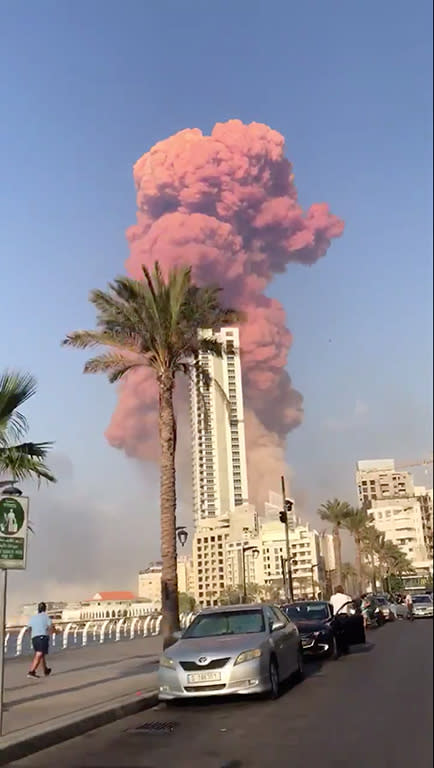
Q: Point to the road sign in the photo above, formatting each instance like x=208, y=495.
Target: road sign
x=14, y=512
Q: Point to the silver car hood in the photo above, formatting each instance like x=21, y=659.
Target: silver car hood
x=214, y=647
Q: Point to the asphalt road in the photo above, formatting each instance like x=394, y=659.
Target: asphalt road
x=372, y=708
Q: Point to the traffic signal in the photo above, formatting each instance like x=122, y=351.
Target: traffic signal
x=283, y=517
x=288, y=505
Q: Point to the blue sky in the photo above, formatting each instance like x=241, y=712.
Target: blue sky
x=86, y=88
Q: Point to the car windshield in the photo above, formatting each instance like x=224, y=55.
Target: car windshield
x=421, y=599
x=307, y=611
x=382, y=600
x=226, y=623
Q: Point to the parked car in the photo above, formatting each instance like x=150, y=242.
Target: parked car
x=322, y=632
x=240, y=649
x=400, y=609
x=386, y=607
x=422, y=606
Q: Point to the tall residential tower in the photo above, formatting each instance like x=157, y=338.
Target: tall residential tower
x=217, y=422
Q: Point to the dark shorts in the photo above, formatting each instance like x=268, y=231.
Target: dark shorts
x=41, y=644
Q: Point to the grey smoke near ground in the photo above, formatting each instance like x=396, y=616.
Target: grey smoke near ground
x=83, y=544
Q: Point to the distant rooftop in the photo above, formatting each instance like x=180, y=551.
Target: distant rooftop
x=121, y=595
x=373, y=464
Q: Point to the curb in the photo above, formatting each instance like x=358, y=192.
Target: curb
x=14, y=747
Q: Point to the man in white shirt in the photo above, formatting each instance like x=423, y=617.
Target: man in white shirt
x=340, y=599
x=409, y=603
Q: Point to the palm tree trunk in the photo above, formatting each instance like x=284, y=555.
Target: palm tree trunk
x=169, y=580
x=374, y=572
x=338, y=554
x=359, y=569
x=381, y=574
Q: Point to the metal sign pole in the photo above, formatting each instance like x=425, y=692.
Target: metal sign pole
x=290, y=595
x=14, y=511
x=3, y=593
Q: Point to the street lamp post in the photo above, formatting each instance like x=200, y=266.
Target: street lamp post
x=287, y=505
x=312, y=568
x=292, y=561
x=255, y=552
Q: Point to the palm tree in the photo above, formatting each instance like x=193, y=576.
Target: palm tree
x=270, y=592
x=336, y=512
x=156, y=323
x=394, y=561
x=230, y=596
x=349, y=573
x=19, y=459
x=372, y=543
x=355, y=523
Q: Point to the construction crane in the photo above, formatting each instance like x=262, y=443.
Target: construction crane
x=422, y=463
x=401, y=465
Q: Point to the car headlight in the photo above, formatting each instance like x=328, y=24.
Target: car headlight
x=248, y=656
x=167, y=662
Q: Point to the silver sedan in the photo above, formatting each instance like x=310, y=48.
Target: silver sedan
x=232, y=650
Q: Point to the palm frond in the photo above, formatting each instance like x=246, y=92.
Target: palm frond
x=21, y=464
x=113, y=365
x=36, y=450
x=334, y=512
x=356, y=521
x=15, y=389
x=156, y=322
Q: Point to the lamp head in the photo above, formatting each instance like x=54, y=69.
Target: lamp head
x=182, y=535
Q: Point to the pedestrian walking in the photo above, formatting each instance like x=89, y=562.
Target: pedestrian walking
x=40, y=626
x=409, y=604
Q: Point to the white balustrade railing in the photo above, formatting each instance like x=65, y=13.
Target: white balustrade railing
x=77, y=634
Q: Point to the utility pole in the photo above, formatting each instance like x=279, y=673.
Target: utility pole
x=287, y=507
x=283, y=569
x=255, y=552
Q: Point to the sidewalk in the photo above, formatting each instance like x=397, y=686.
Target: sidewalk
x=80, y=679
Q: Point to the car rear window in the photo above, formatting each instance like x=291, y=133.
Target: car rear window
x=421, y=599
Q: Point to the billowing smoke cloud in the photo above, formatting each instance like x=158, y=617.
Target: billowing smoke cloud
x=227, y=205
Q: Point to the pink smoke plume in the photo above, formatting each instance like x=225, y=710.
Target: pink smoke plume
x=226, y=204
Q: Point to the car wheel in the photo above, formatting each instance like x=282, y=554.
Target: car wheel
x=299, y=672
x=274, y=680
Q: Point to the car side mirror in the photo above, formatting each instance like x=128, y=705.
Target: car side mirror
x=276, y=626
x=177, y=635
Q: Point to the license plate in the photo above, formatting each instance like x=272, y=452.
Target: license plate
x=204, y=677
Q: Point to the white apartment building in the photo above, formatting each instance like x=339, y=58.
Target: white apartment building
x=217, y=424
x=149, y=583
x=149, y=580
x=219, y=564
x=378, y=479
x=307, y=564
x=401, y=522
x=185, y=574
x=401, y=510
x=109, y=605
x=217, y=544
x=328, y=554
